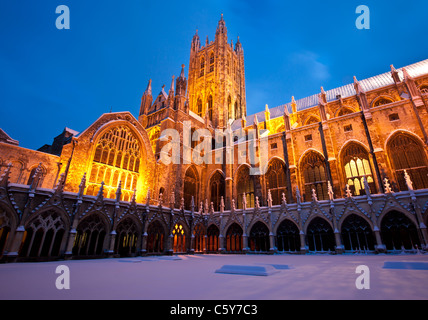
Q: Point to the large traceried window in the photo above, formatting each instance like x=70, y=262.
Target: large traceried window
x=276, y=180
x=406, y=153
x=357, y=167
x=117, y=158
x=191, y=187
x=245, y=184
x=314, y=176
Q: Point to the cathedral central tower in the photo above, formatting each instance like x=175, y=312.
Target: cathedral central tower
x=216, y=87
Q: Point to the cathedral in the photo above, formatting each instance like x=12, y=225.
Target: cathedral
x=342, y=171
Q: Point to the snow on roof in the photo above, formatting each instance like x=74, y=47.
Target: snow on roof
x=379, y=81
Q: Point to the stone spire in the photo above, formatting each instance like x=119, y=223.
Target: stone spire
x=147, y=99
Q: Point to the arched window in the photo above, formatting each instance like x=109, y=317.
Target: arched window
x=117, y=157
x=202, y=69
x=259, y=238
x=357, y=234
x=40, y=176
x=406, y=153
x=345, y=110
x=237, y=111
x=424, y=89
x=211, y=61
x=126, y=238
x=199, y=109
x=212, y=238
x=314, y=176
x=153, y=136
x=191, y=188
x=312, y=120
x=44, y=235
x=320, y=236
x=210, y=107
x=90, y=236
x=229, y=107
x=5, y=228
x=288, y=237
x=179, y=244
x=245, y=184
x=199, y=236
x=155, y=238
x=381, y=101
x=357, y=167
x=234, y=238
x=399, y=232
x=276, y=181
x=217, y=189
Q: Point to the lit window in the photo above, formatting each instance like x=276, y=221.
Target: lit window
x=116, y=158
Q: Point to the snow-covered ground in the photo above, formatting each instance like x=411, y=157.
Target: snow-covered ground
x=194, y=278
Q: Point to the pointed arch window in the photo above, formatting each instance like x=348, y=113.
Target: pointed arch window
x=424, y=89
x=245, y=184
x=191, y=187
x=406, y=153
x=217, y=189
x=276, y=181
x=212, y=61
x=381, y=101
x=237, y=111
x=314, y=176
x=210, y=107
x=199, y=107
x=343, y=111
x=229, y=107
x=312, y=120
x=116, y=158
x=357, y=167
x=202, y=68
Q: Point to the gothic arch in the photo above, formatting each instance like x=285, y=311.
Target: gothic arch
x=357, y=213
x=381, y=100
x=156, y=237
x=357, y=232
x=344, y=111
x=117, y=155
x=181, y=237
x=216, y=188
x=406, y=152
x=313, y=174
x=276, y=179
x=199, y=233
x=42, y=174
x=213, y=234
x=319, y=234
x=128, y=233
x=8, y=224
x=233, y=238
x=92, y=235
x=258, y=240
x=311, y=119
x=191, y=187
x=356, y=163
x=44, y=234
x=399, y=231
x=244, y=183
x=287, y=236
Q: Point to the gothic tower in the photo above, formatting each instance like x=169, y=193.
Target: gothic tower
x=216, y=86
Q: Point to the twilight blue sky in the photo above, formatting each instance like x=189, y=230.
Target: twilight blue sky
x=52, y=78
